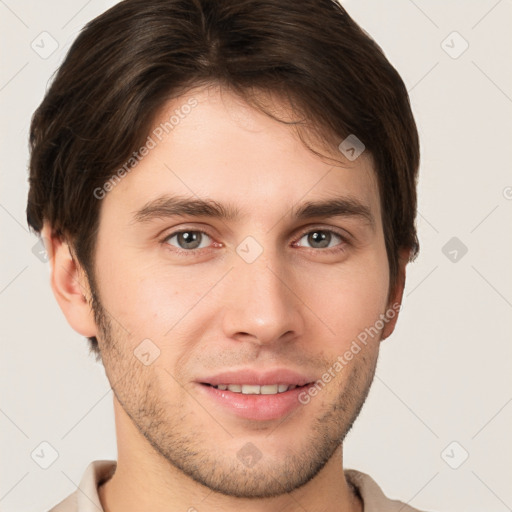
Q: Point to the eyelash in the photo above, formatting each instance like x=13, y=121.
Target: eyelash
x=193, y=252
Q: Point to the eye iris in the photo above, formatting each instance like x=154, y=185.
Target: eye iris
x=189, y=239
x=319, y=237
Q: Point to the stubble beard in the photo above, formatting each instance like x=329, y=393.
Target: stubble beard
x=191, y=451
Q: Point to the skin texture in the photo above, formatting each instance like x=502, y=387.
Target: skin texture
x=296, y=306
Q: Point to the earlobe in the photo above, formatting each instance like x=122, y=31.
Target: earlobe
x=395, y=302
x=69, y=284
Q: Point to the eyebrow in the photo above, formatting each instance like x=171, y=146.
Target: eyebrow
x=179, y=206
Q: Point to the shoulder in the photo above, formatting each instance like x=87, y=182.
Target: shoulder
x=68, y=504
x=85, y=498
x=371, y=494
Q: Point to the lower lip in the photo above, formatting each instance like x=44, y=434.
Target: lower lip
x=255, y=407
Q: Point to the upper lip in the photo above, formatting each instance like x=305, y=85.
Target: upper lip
x=252, y=377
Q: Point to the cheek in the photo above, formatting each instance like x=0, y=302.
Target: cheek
x=351, y=298
x=156, y=301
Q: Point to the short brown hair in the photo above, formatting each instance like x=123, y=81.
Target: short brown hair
x=126, y=63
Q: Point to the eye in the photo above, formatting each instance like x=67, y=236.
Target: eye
x=323, y=239
x=188, y=239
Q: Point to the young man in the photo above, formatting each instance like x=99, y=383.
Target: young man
x=227, y=194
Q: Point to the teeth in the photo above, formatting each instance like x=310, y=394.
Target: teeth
x=252, y=389
x=270, y=389
x=248, y=389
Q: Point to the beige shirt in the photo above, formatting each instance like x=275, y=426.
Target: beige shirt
x=86, y=499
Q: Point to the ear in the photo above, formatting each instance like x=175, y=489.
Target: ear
x=69, y=284
x=395, y=300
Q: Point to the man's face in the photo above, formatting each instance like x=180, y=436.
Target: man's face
x=263, y=298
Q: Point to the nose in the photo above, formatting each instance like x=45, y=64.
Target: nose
x=261, y=304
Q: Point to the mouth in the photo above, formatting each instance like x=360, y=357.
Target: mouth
x=255, y=389
x=254, y=395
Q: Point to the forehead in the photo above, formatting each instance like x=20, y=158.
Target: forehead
x=208, y=143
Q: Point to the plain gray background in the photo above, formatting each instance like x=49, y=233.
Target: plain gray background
x=442, y=390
